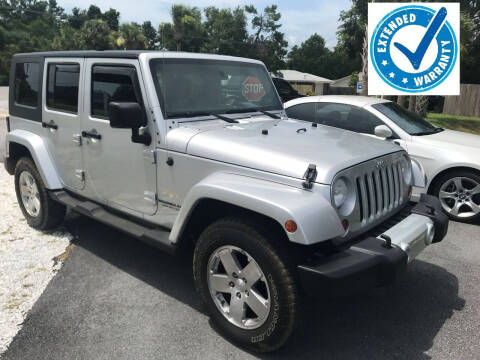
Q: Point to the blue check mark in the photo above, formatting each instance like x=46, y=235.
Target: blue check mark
x=416, y=57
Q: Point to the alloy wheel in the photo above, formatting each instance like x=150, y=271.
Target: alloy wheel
x=238, y=287
x=29, y=194
x=460, y=197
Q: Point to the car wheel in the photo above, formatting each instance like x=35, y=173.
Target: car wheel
x=459, y=194
x=40, y=211
x=246, y=287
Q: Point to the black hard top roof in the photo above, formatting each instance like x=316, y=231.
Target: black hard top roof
x=129, y=54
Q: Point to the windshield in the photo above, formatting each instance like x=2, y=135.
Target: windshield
x=195, y=87
x=407, y=120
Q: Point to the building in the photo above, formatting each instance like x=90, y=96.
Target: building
x=344, y=81
x=306, y=83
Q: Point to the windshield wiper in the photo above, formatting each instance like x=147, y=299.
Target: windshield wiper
x=201, y=113
x=430, y=132
x=225, y=118
x=272, y=115
x=268, y=113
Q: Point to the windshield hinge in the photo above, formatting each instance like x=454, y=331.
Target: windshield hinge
x=310, y=176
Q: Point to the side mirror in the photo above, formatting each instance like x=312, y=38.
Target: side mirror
x=129, y=115
x=383, y=131
x=126, y=115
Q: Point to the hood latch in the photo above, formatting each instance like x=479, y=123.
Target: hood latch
x=310, y=176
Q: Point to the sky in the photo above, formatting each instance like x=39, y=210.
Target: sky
x=300, y=18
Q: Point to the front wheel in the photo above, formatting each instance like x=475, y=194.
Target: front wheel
x=244, y=284
x=459, y=194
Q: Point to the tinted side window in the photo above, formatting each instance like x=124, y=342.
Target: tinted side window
x=27, y=83
x=110, y=87
x=62, y=87
x=347, y=117
x=282, y=85
x=304, y=111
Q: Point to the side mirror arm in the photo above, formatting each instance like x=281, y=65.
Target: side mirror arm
x=138, y=138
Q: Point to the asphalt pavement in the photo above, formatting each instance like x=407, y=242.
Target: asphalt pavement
x=117, y=298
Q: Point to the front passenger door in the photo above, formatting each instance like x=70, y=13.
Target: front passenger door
x=119, y=172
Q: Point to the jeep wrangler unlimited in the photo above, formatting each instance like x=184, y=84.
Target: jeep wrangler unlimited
x=181, y=149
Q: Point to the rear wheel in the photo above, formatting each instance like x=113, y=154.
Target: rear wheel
x=245, y=285
x=40, y=211
x=459, y=194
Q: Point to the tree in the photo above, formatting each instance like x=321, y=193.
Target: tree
x=111, y=17
x=77, y=18
x=421, y=106
x=353, y=79
x=150, y=35
x=66, y=39
x=2, y=38
x=401, y=100
x=311, y=57
x=226, y=31
x=94, y=35
x=365, y=63
x=267, y=42
x=132, y=36
x=185, y=32
x=94, y=13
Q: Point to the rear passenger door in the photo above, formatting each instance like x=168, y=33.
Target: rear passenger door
x=61, y=104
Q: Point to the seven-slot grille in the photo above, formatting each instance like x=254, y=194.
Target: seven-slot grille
x=380, y=191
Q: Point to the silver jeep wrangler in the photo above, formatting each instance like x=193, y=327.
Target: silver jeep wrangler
x=195, y=151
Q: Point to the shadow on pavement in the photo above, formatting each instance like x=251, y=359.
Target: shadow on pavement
x=389, y=323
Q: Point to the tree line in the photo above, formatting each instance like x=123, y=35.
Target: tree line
x=42, y=25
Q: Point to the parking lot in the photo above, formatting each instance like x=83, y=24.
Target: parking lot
x=118, y=298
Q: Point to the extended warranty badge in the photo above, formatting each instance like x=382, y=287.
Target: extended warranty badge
x=413, y=48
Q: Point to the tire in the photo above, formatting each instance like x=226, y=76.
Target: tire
x=276, y=285
x=459, y=193
x=45, y=213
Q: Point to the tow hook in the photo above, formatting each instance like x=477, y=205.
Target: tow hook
x=388, y=241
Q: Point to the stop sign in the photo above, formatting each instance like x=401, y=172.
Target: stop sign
x=252, y=89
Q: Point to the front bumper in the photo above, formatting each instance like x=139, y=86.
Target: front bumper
x=376, y=261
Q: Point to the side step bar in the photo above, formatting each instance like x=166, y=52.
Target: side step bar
x=154, y=236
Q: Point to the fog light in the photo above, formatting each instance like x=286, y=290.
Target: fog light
x=345, y=224
x=430, y=234
x=290, y=226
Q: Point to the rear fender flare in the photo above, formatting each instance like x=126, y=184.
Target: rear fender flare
x=39, y=152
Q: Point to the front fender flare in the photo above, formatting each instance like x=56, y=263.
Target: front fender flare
x=315, y=217
x=38, y=149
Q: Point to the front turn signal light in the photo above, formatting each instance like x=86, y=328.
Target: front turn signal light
x=290, y=226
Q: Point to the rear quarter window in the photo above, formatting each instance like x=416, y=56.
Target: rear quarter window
x=27, y=83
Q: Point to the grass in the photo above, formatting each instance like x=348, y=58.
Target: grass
x=454, y=122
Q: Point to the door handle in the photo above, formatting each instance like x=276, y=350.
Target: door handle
x=50, y=125
x=91, y=134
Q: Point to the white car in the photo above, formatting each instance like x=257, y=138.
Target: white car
x=451, y=159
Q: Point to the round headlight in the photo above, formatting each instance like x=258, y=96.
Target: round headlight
x=340, y=192
x=406, y=166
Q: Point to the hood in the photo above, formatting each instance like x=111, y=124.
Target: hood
x=446, y=137
x=286, y=147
